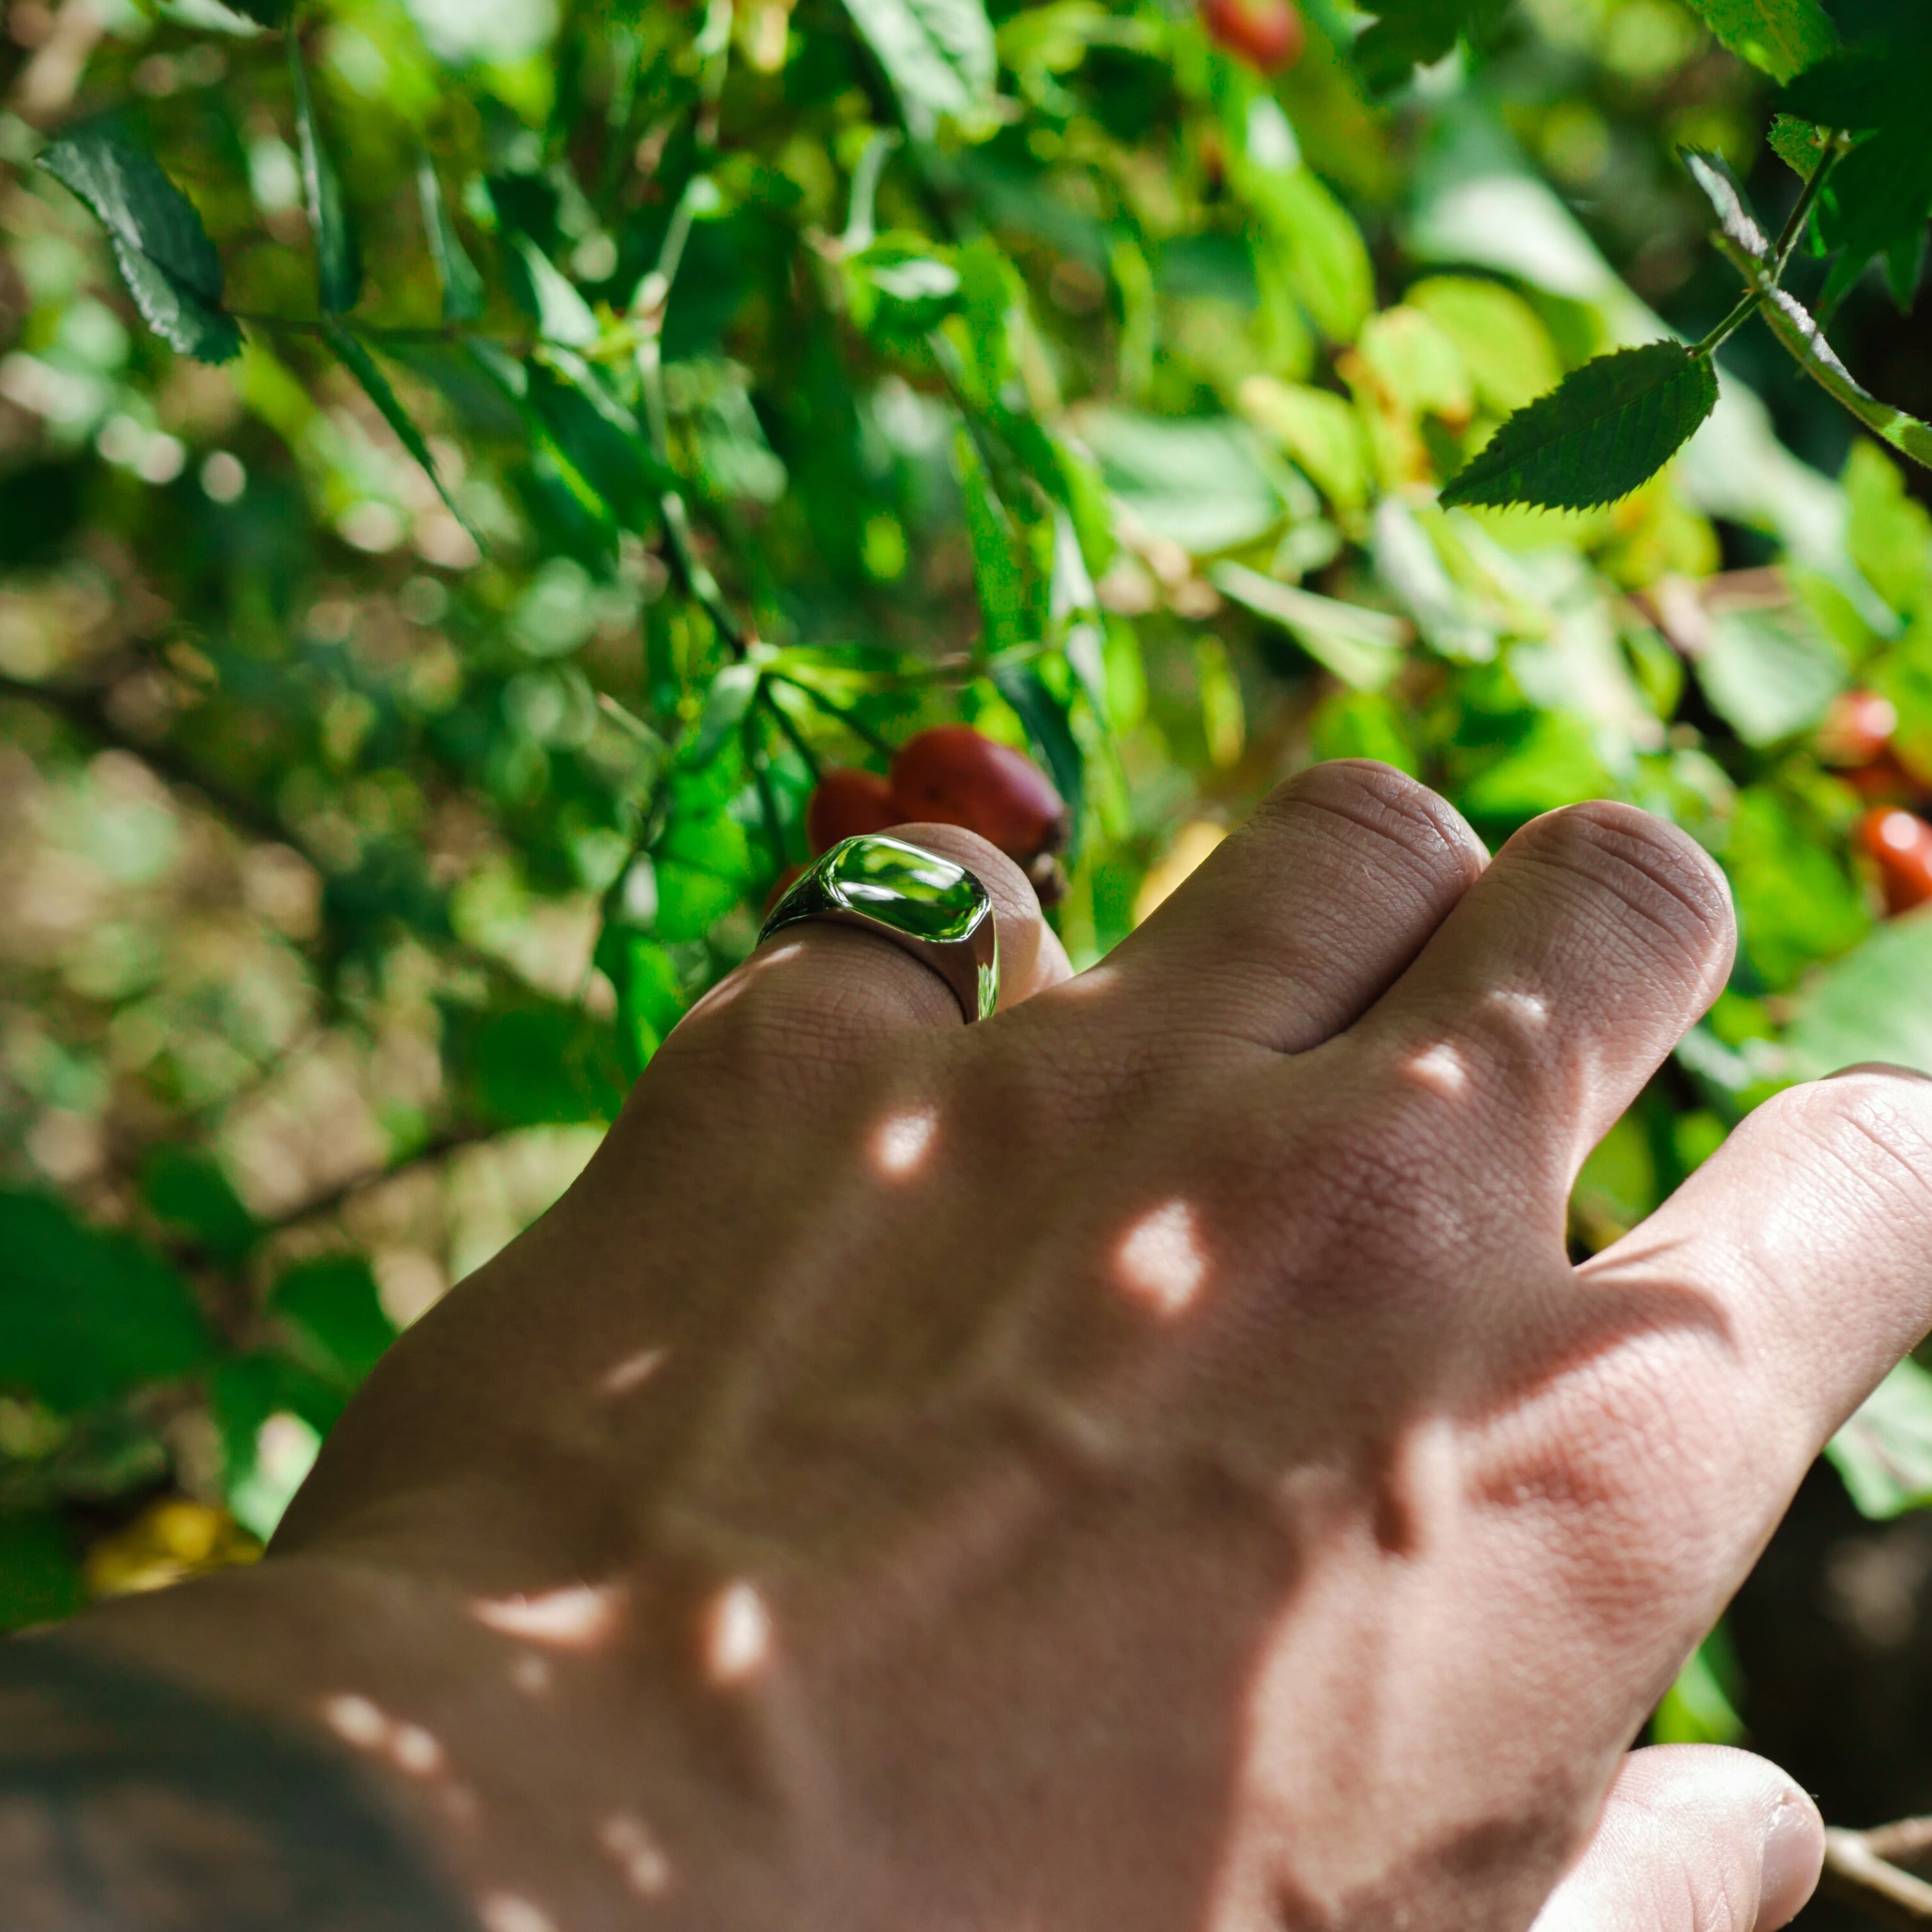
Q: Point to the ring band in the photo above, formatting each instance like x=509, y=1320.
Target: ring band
x=926, y=905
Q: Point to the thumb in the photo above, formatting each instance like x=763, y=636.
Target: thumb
x=1694, y=1838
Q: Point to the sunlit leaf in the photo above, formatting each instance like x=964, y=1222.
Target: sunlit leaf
x=363, y=366
x=338, y=259
x=1610, y=427
x=1782, y=36
x=462, y=285
x=938, y=54
x=160, y=245
x=1869, y=1006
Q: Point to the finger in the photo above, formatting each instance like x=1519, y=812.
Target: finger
x=821, y=989
x=1808, y=1236
x=1300, y=919
x=1564, y=977
x=1694, y=1838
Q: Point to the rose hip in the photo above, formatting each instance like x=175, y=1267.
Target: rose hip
x=1901, y=842
x=953, y=774
x=848, y=803
x=1266, y=34
x=1858, y=729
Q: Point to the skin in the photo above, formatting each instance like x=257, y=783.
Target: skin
x=1145, y=1462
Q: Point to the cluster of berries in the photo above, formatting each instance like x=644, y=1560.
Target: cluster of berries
x=1857, y=738
x=951, y=775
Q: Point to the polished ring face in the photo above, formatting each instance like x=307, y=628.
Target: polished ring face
x=928, y=906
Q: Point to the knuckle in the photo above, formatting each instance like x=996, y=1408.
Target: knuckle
x=1646, y=866
x=1873, y=1125
x=1403, y=816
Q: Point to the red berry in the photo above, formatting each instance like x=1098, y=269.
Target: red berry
x=848, y=803
x=1266, y=34
x=1858, y=729
x=1901, y=842
x=954, y=775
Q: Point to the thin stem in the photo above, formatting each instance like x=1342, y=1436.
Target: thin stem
x=768, y=804
x=793, y=735
x=1746, y=308
x=323, y=325
x=1793, y=230
x=859, y=730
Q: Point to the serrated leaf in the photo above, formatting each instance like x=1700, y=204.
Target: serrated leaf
x=1725, y=194
x=938, y=54
x=1795, y=326
x=1799, y=145
x=462, y=285
x=360, y=364
x=338, y=260
x=1606, y=430
x=160, y=245
x=1782, y=37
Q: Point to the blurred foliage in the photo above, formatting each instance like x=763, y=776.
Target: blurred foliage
x=492, y=456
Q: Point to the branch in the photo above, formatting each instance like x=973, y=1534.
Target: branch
x=1858, y=1872
x=438, y=1147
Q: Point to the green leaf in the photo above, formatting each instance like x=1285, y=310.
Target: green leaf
x=1781, y=37
x=1416, y=33
x=270, y=13
x=335, y=1313
x=1501, y=340
x=360, y=364
x=1799, y=145
x=1884, y=1453
x=1769, y=674
x=650, y=1000
x=185, y=1187
x=1202, y=482
x=86, y=1315
x=1870, y=1005
x=160, y=245
x=1327, y=260
x=39, y=1581
x=1609, y=428
x=1889, y=534
x=1363, y=648
x=1797, y=902
x=1797, y=329
x=999, y=575
x=338, y=260
x=461, y=283
x=563, y=315
x=726, y=701
x=1697, y=1708
x=537, y=1065
x=939, y=55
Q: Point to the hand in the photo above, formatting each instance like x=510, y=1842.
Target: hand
x=1145, y=1462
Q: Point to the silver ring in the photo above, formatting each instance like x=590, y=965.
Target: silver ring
x=930, y=907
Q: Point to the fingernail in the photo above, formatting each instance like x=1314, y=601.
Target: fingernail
x=1793, y=1855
